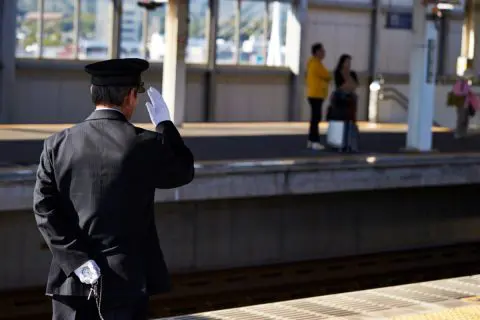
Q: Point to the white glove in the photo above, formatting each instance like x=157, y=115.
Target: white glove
x=88, y=273
x=157, y=109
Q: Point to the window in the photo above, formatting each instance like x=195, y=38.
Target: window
x=253, y=29
x=44, y=31
x=57, y=29
x=277, y=13
x=27, y=34
x=226, y=31
x=131, y=28
x=197, y=46
x=148, y=32
x=253, y=25
x=65, y=35
x=250, y=32
x=94, y=30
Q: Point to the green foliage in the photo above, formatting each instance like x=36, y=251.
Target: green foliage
x=87, y=24
x=197, y=26
x=248, y=27
x=52, y=30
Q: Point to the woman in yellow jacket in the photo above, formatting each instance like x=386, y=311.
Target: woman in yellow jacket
x=318, y=79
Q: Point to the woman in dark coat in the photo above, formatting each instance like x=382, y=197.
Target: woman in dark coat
x=343, y=103
x=344, y=99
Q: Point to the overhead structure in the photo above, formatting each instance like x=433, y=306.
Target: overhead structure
x=150, y=5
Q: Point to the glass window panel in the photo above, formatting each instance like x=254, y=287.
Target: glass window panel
x=131, y=26
x=153, y=47
x=226, y=32
x=95, y=29
x=27, y=17
x=277, y=12
x=58, y=29
x=252, y=35
x=197, y=46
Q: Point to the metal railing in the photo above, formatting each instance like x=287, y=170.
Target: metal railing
x=380, y=92
x=393, y=94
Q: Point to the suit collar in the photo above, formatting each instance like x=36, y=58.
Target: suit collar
x=106, y=114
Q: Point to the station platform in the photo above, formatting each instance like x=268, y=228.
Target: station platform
x=241, y=141
x=449, y=299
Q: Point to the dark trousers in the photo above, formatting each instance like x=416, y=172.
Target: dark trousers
x=79, y=308
x=315, y=118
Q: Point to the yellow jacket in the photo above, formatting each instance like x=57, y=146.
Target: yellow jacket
x=317, y=80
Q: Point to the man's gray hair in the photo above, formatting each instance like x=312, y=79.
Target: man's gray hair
x=109, y=95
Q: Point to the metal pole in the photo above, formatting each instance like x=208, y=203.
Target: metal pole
x=442, y=45
x=210, y=74
x=238, y=20
x=76, y=27
x=40, y=25
x=145, y=32
x=266, y=22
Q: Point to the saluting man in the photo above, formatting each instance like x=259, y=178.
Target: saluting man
x=94, y=199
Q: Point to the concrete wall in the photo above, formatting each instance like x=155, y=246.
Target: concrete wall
x=57, y=95
x=208, y=235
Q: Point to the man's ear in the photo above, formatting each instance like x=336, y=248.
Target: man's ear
x=91, y=88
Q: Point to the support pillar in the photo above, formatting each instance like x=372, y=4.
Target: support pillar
x=174, y=82
x=443, y=45
x=294, y=55
x=422, y=80
x=8, y=14
x=211, y=49
x=465, y=61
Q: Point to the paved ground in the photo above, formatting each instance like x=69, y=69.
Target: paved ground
x=21, y=144
x=448, y=299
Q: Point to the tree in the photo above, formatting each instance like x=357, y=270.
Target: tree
x=53, y=29
x=196, y=27
x=87, y=24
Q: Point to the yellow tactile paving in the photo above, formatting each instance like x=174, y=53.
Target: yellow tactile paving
x=460, y=313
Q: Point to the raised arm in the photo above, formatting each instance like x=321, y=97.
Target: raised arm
x=172, y=162
x=61, y=232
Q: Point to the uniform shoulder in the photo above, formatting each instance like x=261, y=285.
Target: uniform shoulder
x=56, y=138
x=145, y=134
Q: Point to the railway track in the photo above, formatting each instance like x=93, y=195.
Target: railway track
x=205, y=291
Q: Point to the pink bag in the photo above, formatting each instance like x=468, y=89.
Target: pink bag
x=462, y=88
x=473, y=100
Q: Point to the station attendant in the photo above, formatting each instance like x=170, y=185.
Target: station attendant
x=318, y=79
x=94, y=199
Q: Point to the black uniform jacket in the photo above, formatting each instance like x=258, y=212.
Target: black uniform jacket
x=94, y=199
